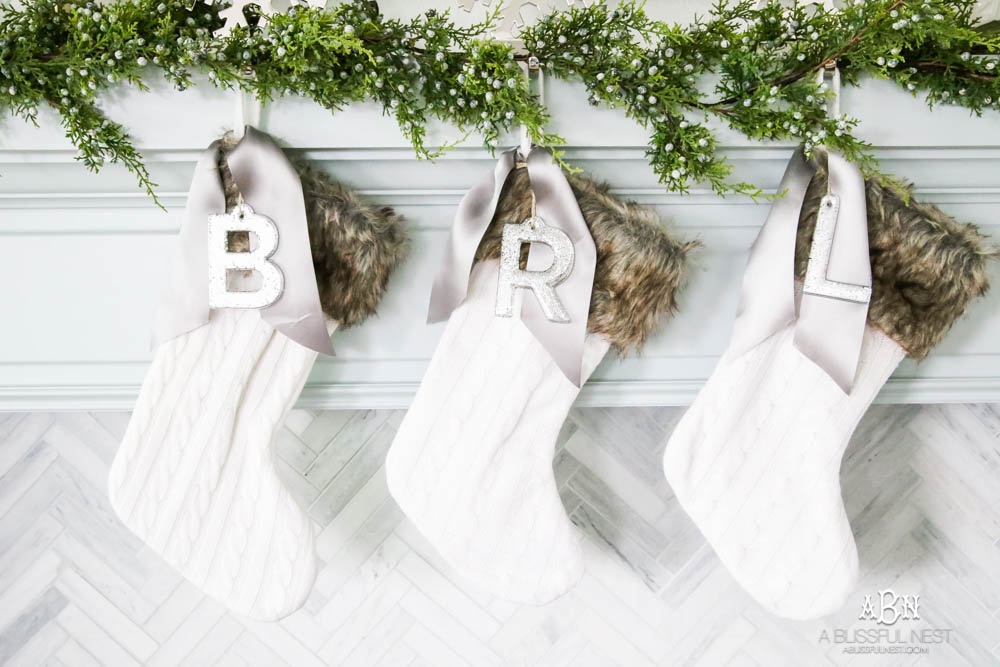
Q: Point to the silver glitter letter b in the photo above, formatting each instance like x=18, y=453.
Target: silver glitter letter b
x=221, y=261
x=542, y=283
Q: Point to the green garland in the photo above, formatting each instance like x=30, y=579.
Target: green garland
x=762, y=62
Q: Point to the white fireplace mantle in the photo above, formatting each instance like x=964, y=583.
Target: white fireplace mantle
x=83, y=256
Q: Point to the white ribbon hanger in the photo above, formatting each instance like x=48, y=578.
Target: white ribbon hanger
x=246, y=111
x=833, y=106
x=536, y=84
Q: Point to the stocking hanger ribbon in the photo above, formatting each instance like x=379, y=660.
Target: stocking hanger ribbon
x=270, y=185
x=556, y=204
x=536, y=86
x=246, y=111
x=831, y=316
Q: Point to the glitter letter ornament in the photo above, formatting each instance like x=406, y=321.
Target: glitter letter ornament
x=542, y=283
x=817, y=279
x=222, y=260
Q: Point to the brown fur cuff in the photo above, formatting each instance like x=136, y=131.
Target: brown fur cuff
x=355, y=245
x=926, y=266
x=639, y=266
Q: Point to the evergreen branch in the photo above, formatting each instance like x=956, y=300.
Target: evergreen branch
x=66, y=53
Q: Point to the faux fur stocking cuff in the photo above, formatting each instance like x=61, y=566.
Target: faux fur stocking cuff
x=640, y=267
x=926, y=266
x=355, y=245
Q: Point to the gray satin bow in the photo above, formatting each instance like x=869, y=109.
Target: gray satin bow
x=270, y=185
x=557, y=206
x=829, y=331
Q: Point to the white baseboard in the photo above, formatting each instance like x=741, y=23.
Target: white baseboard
x=397, y=395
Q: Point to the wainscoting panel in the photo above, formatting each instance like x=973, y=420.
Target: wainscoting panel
x=83, y=257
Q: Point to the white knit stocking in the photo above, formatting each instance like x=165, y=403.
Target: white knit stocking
x=471, y=464
x=756, y=460
x=194, y=477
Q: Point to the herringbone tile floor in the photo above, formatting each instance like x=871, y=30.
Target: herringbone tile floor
x=922, y=486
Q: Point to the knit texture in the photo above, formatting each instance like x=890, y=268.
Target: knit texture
x=755, y=462
x=471, y=464
x=194, y=477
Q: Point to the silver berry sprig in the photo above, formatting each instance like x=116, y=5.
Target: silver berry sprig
x=762, y=61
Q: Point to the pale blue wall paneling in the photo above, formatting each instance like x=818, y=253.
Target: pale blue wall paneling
x=83, y=256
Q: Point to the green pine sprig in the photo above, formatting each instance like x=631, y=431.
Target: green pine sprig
x=753, y=68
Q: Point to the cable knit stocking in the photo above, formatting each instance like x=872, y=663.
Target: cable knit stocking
x=194, y=477
x=755, y=461
x=471, y=464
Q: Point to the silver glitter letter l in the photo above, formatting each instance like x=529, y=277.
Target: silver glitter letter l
x=819, y=258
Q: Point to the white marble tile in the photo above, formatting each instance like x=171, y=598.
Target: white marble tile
x=351, y=476
x=34, y=616
x=365, y=542
x=452, y=600
x=251, y=651
x=282, y=643
x=76, y=588
x=101, y=611
x=337, y=444
x=180, y=605
x=22, y=434
x=23, y=552
x=25, y=473
x=364, y=503
x=606, y=467
x=612, y=537
x=353, y=592
x=645, y=633
x=106, y=579
x=381, y=639
x=40, y=647
x=76, y=453
x=213, y=646
x=72, y=653
x=460, y=639
x=611, y=642
x=382, y=598
x=602, y=498
x=304, y=626
x=93, y=639
x=431, y=650
x=398, y=655
x=31, y=586
x=190, y=630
